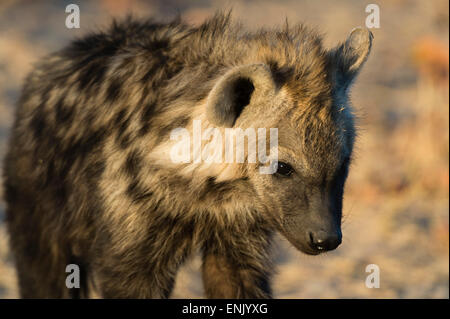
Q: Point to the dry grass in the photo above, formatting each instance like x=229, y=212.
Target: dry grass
x=397, y=200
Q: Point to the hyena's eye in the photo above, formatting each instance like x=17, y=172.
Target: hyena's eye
x=284, y=169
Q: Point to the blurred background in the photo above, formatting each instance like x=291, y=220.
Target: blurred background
x=396, y=208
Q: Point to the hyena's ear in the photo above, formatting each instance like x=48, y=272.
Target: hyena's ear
x=348, y=58
x=235, y=90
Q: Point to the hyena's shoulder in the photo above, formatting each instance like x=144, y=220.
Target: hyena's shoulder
x=101, y=89
x=98, y=78
x=126, y=48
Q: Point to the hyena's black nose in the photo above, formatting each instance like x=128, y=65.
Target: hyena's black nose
x=322, y=240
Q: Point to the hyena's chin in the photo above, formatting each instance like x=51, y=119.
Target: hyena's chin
x=300, y=244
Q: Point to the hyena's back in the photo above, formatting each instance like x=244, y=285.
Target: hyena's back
x=86, y=117
x=99, y=91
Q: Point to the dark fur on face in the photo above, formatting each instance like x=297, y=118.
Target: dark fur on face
x=87, y=180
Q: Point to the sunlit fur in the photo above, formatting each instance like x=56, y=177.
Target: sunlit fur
x=89, y=181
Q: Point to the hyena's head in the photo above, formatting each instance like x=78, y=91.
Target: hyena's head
x=308, y=104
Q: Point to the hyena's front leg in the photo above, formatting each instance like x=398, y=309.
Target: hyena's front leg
x=237, y=266
x=136, y=266
x=120, y=277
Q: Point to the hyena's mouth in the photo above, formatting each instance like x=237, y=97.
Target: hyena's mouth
x=306, y=249
x=302, y=245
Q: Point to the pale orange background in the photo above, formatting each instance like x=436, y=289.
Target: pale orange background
x=397, y=199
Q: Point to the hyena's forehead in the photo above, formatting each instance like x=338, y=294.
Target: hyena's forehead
x=325, y=135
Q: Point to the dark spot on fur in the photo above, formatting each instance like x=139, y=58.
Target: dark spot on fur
x=114, y=89
x=145, y=128
x=125, y=141
x=61, y=194
x=81, y=148
x=136, y=192
x=133, y=163
x=146, y=116
x=92, y=141
x=91, y=74
x=95, y=170
x=64, y=113
x=38, y=123
x=123, y=124
x=148, y=112
x=119, y=117
x=157, y=45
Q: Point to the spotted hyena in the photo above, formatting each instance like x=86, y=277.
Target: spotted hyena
x=89, y=179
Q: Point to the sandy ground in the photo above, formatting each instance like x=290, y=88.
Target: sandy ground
x=396, y=204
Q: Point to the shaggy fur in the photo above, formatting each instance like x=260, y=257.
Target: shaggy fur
x=88, y=179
